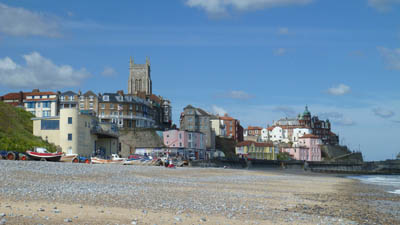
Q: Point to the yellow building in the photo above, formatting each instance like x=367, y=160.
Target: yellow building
x=77, y=132
x=257, y=150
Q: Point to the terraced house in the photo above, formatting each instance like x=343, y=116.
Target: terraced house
x=197, y=120
x=127, y=111
x=68, y=99
x=89, y=101
x=257, y=150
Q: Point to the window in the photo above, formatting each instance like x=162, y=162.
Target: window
x=49, y=124
x=91, y=105
x=180, y=136
x=82, y=98
x=130, y=107
x=62, y=98
x=106, y=98
x=46, y=105
x=71, y=98
x=103, y=106
x=69, y=120
x=38, y=105
x=102, y=113
x=31, y=105
x=81, y=106
x=69, y=137
x=111, y=106
x=91, y=98
x=46, y=113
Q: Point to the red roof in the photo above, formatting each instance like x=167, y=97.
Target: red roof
x=270, y=128
x=263, y=144
x=226, y=118
x=40, y=93
x=254, y=128
x=11, y=96
x=244, y=143
x=257, y=144
x=309, y=136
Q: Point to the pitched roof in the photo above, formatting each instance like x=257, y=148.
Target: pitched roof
x=69, y=93
x=89, y=93
x=14, y=95
x=244, y=143
x=309, y=136
x=263, y=144
x=254, y=128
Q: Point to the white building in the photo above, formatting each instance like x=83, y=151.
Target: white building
x=286, y=134
x=218, y=126
x=41, y=104
x=77, y=133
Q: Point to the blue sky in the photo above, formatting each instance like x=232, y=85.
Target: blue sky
x=257, y=60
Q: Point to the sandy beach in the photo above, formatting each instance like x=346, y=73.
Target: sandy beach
x=64, y=193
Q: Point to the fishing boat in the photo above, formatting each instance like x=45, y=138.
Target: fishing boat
x=96, y=160
x=70, y=158
x=43, y=155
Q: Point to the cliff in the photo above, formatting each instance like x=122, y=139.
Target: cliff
x=16, y=130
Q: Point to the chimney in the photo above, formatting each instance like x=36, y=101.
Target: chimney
x=35, y=90
x=120, y=92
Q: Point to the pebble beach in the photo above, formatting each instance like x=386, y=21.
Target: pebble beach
x=64, y=193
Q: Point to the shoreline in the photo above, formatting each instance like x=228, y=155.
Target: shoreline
x=113, y=194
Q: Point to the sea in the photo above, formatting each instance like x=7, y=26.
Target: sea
x=390, y=183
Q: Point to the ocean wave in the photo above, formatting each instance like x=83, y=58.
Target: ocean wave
x=395, y=192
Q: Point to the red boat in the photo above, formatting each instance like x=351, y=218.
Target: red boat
x=43, y=155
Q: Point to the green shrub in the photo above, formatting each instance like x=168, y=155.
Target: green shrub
x=16, y=130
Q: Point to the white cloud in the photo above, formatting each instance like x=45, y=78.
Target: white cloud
x=283, y=31
x=218, y=110
x=238, y=95
x=337, y=118
x=39, y=72
x=220, y=7
x=280, y=51
x=22, y=22
x=383, y=113
x=391, y=57
x=108, y=71
x=341, y=89
x=383, y=5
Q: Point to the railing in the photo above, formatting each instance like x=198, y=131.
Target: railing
x=126, y=117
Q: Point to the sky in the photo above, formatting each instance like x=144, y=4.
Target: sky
x=257, y=60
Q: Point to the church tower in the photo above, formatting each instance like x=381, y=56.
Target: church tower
x=139, y=78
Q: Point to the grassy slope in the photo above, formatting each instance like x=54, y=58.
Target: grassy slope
x=16, y=130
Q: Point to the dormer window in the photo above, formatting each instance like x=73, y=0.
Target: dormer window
x=106, y=98
x=91, y=98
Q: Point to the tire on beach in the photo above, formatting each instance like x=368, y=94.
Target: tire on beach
x=43, y=159
x=75, y=160
x=11, y=156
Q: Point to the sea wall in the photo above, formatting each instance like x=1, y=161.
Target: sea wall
x=130, y=139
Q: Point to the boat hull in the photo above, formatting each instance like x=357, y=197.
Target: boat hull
x=54, y=157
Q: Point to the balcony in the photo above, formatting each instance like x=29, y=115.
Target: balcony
x=129, y=117
x=105, y=130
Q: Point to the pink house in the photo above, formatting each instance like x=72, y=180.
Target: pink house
x=184, y=139
x=308, y=148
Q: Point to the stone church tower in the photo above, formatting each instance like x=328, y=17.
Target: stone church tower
x=139, y=78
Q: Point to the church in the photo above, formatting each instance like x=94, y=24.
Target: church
x=139, y=78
